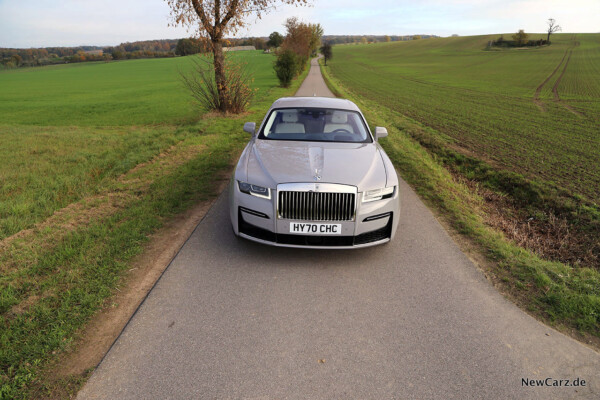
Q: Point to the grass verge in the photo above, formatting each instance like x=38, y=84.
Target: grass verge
x=60, y=272
x=563, y=296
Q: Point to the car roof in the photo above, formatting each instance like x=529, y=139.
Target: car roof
x=316, y=102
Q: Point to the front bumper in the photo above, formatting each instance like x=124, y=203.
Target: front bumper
x=256, y=219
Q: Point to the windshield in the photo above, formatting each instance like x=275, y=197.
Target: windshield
x=315, y=125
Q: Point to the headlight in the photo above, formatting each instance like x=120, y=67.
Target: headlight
x=254, y=190
x=378, y=194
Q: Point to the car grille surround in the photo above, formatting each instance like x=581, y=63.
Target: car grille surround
x=329, y=203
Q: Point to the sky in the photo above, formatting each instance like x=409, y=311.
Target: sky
x=45, y=23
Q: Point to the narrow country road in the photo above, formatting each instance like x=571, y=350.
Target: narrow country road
x=314, y=84
x=413, y=319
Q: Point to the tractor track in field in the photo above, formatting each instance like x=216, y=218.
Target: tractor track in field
x=555, y=87
x=564, y=64
x=538, y=90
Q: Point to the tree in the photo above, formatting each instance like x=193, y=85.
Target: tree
x=416, y=37
x=182, y=48
x=552, y=27
x=259, y=43
x=363, y=40
x=275, y=40
x=326, y=51
x=315, y=38
x=286, y=67
x=16, y=59
x=520, y=38
x=215, y=18
x=386, y=38
x=186, y=47
x=298, y=39
x=118, y=54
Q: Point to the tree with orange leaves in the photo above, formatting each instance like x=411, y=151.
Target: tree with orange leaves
x=215, y=18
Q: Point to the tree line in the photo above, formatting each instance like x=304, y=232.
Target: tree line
x=13, y=58
x=353, y=39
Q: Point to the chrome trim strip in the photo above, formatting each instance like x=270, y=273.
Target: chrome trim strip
x=317, y=187
x=376, y=217
x=255, y=213
x=359, y=246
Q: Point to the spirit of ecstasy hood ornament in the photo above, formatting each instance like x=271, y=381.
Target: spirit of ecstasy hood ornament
x=317, y=175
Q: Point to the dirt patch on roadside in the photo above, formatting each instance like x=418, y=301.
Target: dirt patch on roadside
x=550, y=236
x=551, y=233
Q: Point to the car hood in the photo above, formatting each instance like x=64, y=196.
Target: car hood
x=271, y=162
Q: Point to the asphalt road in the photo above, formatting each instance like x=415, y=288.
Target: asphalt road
x=314, y=85
x=413, y=319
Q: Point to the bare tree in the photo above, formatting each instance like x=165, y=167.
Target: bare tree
x=215, y=18
x=552, y=27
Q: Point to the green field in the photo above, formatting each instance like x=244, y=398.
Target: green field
x=482, y=101
x=94, y=157
x=123, y=93
x=65, y=129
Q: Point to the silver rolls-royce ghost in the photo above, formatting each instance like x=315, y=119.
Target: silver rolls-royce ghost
x=313, y=175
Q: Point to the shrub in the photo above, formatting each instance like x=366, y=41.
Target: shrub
x=201, y=83
x=286, y=67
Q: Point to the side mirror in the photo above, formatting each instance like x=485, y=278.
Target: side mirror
x=250, y=127
x=380, y=132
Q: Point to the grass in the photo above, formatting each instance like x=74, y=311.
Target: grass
x=482, y=101
x=67, y=128
x=81, y=191
x=53, y=166
x=122, y=93
x=454, y=144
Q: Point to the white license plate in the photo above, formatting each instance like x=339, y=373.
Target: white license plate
x=315, y=229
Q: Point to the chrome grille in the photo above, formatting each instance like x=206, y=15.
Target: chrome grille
x=316, y=206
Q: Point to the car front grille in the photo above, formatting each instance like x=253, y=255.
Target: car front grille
x=316, y=206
